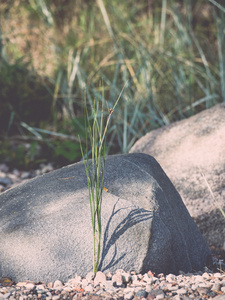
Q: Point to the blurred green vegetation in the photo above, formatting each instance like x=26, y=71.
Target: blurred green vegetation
x=54, y=53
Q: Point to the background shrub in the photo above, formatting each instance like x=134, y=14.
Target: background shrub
x=56, y=53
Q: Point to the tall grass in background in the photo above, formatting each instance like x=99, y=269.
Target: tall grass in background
x=173, y=51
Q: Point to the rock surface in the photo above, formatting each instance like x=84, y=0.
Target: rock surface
x=186, y=150
x=46, y=233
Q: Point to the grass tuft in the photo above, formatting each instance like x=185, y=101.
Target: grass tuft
x=96, y=131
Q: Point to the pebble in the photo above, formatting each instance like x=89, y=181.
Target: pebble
x=4, y=181
x=99, y=278
x=117, y=280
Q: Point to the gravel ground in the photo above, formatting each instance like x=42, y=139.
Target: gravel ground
x=209, y=284
x=121, y=285
x=11, y=178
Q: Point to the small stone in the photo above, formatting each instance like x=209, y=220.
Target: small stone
x=95, y=297
x=134, y=278
x=109, y=276
x=21, y=284
x=126, y=277
x=57, y=285
x=108, y=285
x=4, y=168
x=216, y=287
x=38, y=172
x=177, y=297
x=219, y=297
x=50, y=285
x=67, y=289
x=119, y=271
x=141, y=293
x=171, y=287
x=84, y=282
x=40, y=287
x=117, y=280
x=5, y=181
x=154, y=293
x=132, y=272
x=30, y=286
x=25, y=175
x=90, y=276
x=181, y=291
x=129, y=290
x=206, y=275
x=99, y=277
x=89, y=289
x=55, y=297
x=48, y=294
x=149, y=279
x=198, y=278
x=6, y=295
x=202, y=290
x=140, y=276
x=128, y=296
x=77, y=279
x=16, y=173
x=170, y=277
x=47, y=168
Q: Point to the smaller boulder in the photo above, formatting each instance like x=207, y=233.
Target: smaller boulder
x=186, y=150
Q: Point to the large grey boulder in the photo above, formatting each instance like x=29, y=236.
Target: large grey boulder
x=186, y=150
x=46, y=233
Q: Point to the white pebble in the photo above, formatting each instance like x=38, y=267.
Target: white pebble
x=57, y=285
x=90, y=276
x=134, y=279
x=216, y=287
x=128, y=290
x=48, y=294
x=170, y=277
x=181, y=291
x=171, y=287
x=30, y=286
x=128, y=296
x=206, y=275
x=40, y=287
x=177, y=297
x=126, y=277
x=84, y=282
x=67, y=289
x=55, y=297
x=89, y=289
x=148, y=279
x=117, y=280
x=99, y=277
x=198, y=278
